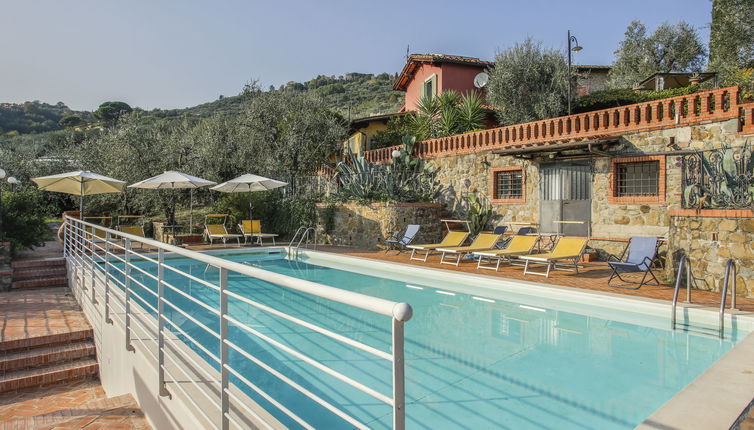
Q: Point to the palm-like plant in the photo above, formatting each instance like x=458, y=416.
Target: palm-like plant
x=447, y=114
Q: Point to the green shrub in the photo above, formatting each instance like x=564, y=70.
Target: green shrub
x=23, y=219
x=613, y=98
x=277, y=213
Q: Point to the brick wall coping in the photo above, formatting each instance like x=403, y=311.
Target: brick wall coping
x=385, y=204
x=712, y=213
x=692, y=109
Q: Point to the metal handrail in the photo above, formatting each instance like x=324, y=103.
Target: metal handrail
x=683, y=264
x=82, y=252
x=730, y=264
x=295, y=235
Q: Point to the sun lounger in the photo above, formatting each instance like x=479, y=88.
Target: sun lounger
x=453, y=238
x=517, y=246
x=127, y=224
x=642, y=252
x=217, y=231
x=252, y=229
x=97, y=235
x=395, y=244
x=483, y=242
x=567, y=249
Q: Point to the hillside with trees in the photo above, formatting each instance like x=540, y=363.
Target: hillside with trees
x=37, y=117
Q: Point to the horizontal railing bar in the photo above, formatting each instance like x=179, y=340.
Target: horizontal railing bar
x=190, y=318
x=316, y=328
x=324, y=403
x=306, y=359
x=212, y=401
x=205, y=372
x=351, y=298
x=270, y=399
x=133, y=266
x=190, y=398
x=194, y=341
x=192, y=298
x=192, y=277
x=248, y=409
x=142, y=256
x=122, y=272
x=141, y=299
x=139, y=283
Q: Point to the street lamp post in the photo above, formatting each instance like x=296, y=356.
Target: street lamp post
x=573, y=46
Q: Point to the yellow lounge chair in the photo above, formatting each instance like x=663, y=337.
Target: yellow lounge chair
x=519, y=245
x=136, y=229
x=483, y=242
x=453, y=238
x=218, y=231
x=253, y=229
x=567, y=249
x=97, y=235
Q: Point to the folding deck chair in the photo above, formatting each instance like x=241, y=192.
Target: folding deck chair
x=395, y=244
x=566, y=249
x=453, y=238
x=483, y=242
x=131, y=224
x=517, y=246
x=642, y=252
x=218, y=231
x=252, y=229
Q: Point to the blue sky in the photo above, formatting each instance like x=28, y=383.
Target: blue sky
x=171, y=53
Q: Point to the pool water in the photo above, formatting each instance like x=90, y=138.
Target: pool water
x=471, y=362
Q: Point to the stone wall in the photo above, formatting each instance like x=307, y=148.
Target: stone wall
x=613, y=220
x=367, y=226
x=709, y=241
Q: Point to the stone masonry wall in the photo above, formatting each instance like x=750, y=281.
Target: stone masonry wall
x=367, y=226
x=709, y=243
x=613, y=220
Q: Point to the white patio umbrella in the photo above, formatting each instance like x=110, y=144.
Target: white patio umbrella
x=79, y=183
x=175, y=180
x=247, y=184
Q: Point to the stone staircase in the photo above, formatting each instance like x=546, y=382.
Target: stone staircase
x=45, y=272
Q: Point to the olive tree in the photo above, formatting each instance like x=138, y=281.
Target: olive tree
x=528, y=83
x=671, y=48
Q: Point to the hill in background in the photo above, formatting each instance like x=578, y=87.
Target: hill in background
x=353, y=95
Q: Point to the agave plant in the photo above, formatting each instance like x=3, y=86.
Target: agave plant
x=480, y=214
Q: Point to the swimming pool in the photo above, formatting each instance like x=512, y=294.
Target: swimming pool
x=476, y=358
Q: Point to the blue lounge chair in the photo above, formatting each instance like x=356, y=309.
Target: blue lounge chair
x=395, y=244
x=642, y=252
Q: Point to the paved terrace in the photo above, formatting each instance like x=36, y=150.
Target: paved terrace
x=593, y=276
x=44, y=325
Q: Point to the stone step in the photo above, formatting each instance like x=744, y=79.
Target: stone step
x=38, y=273
x=13, y=345
x=58, y=281
x=46, y=355
x=78, y=369
x=38, y=263
x=118, y=412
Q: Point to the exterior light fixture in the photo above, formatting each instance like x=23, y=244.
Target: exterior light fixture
x=2, y=174
x=396, y=153
x=13, y=181
x=573, y=46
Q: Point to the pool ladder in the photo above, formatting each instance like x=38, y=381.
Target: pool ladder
x=729, y=267
x=302, y=234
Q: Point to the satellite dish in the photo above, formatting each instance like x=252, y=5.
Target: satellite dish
x=481, y=80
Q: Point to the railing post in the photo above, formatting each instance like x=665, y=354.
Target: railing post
x=127, y=293
x=161, y=322
x=91, y=265
x=399, y=393
x=107, y=281
x=65, y=237
x=224, y=380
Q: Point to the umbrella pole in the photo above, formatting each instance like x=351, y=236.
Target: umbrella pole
x=250, y=207
x=81, y=202
x=191, y=211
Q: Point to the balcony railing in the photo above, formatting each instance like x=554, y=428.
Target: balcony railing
x=131, y=287
x=708, y=106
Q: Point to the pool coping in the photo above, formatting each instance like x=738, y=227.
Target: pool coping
x=714, y=399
